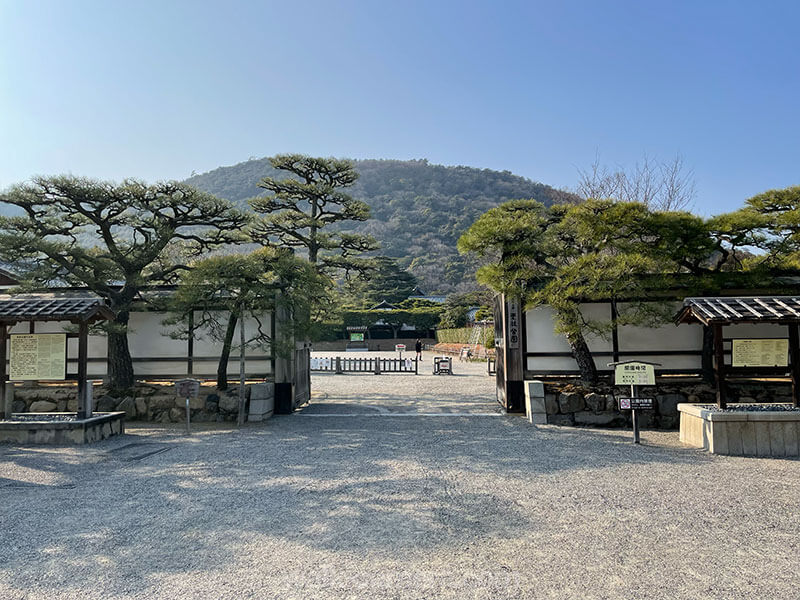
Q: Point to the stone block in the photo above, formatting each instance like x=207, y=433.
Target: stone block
x=176, y=414
x=43, y=406
x=747, y=433
x=162, y=401
x=561, y=419
x=667, y=422
x=668, y=403
x=595, y=402
x=19, y=406
x=72, y=405
x=534, y=402
x=229, y=403
x=608, y=419
x=762, y=438
x=141, y=407
x=570, y=402
x=551, y=404
x=790, y=437
x=262, y=391
x=198, y=403
x=128, y=405
x=106, y=404
x=777, y=439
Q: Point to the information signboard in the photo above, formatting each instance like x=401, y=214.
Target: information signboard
x=636, y=403
x=634, y=373
x=760, y=353
x=356, y=337
x=38, y=356
x=187, y=388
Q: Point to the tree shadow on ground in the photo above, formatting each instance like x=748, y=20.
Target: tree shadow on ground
x=372, y=486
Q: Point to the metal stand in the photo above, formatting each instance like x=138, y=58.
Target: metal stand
x=634, y=417
x=188, y=424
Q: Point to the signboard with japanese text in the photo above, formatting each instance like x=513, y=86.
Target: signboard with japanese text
x=634, y=373
x=636, y=403
x=187, y=388
x=38, y=356
x=514, y=323
x=356, y=337
x=760, y=353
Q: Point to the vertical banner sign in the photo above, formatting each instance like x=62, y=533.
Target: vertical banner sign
x=38, y=356
x=514, y=329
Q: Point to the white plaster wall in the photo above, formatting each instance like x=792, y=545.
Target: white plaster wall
x=540, y=325
x=148, y=338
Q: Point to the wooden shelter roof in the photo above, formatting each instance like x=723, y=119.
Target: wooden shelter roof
x=749, y=309
x=76, y=310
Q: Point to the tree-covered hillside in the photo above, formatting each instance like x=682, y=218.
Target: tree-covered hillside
x=419, y=210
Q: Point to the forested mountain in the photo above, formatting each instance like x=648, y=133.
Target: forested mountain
x=419, y=210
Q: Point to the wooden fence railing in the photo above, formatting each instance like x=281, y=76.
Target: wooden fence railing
x=346, y=364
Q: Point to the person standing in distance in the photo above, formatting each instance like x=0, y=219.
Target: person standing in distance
x=418, y=349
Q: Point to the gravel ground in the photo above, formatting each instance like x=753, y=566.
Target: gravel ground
x=396, y=487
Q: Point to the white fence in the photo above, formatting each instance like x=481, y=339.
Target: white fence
x=157, y=355
x=678, y=348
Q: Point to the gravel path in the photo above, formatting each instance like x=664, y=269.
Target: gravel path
x=410, y=487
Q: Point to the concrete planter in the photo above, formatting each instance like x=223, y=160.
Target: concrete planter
x=57, y=433
x=741, y=433
x=262, y=401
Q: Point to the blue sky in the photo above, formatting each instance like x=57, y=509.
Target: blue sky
x=157, y=90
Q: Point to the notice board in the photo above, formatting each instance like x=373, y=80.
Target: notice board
x=760, y=353
x=38, y=356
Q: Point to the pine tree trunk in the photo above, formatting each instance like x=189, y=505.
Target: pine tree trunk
x=120, y=365
x=222, y=367
x=583, y=356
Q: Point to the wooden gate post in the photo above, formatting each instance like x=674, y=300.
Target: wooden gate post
x=511, y=376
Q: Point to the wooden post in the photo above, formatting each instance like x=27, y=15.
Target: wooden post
x=84, y=410
x=794, y=358
x=719, y=367
x=6, y=406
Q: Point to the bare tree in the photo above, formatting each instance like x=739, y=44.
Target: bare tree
x=657, y=185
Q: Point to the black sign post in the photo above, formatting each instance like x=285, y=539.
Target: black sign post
x=634, y=373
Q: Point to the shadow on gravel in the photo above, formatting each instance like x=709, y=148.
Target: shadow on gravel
x=377, y=485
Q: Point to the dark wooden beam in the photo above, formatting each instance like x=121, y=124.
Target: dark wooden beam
x=719, y=367
x=84, y=408
x=7, y=409
x=794, y=358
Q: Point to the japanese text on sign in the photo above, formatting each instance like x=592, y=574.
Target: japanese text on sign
x=513, y=323
x=760, y=353
x=634, y=373
x=187, y=388
x=636, y=403
x=38, y=356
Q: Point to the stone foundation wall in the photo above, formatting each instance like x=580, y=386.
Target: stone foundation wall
x=149, y=402
x=597, y=407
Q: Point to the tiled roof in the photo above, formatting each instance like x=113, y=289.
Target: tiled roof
x=13, y=310
x=752, y=309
